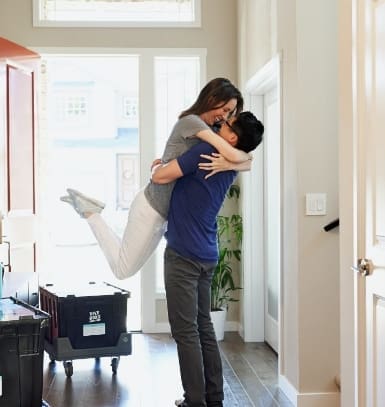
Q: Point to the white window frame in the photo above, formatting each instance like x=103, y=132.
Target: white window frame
x=39, y=22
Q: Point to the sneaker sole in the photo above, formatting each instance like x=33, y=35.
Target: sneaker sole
x=74, y=192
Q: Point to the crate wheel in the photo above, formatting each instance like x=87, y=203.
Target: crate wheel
x=114, y=364
x=68, y=368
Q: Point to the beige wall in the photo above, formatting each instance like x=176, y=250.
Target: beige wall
x=305, y=35
x=218, y=34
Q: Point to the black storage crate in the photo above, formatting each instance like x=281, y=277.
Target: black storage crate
x=86, y=321
x=22, y=331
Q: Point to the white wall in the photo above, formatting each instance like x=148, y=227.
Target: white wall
x=304, y=33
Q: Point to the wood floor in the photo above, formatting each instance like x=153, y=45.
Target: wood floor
x=150, y=376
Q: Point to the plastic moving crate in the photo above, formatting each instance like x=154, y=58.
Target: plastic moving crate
x=87, y=321
x=22, y=331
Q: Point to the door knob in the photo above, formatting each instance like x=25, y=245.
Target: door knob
x=364, y=267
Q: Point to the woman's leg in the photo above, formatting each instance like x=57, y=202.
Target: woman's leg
x=143, y=232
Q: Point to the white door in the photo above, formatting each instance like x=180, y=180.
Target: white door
x=94, y=131
x=261, y=213
x=272, y=217
x=370, y=120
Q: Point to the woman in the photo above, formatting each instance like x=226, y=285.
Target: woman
x=146, y=223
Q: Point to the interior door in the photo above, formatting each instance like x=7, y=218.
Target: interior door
x=272, y=217
x=371, y=202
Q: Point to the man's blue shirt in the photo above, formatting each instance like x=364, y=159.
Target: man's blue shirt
x=195, y=203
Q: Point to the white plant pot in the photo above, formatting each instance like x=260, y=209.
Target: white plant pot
x=218, y=319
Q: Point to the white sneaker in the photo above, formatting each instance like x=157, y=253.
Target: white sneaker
x=74, y=192
x=82, y=203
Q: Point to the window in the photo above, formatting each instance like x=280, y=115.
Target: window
x=116, y=13
x=72, y=108
x=177, y=84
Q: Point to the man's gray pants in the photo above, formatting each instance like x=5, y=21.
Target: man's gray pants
x=187, y=284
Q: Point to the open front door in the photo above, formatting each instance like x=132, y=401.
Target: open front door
x=370, y=216
x=17, y=75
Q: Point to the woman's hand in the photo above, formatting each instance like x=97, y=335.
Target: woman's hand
x=217, y=164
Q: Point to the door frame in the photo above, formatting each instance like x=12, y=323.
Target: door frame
x=351, y=378
x=266, y=79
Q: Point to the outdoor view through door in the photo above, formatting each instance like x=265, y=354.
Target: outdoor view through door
x=90, y=139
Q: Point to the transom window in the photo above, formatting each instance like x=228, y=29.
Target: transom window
x=123, y=13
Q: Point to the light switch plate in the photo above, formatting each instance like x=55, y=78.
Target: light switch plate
x=315, y=204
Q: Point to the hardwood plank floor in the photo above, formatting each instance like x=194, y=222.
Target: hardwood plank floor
x=150, y=376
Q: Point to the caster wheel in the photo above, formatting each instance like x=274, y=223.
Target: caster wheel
x=114, y=365
x=68, y=368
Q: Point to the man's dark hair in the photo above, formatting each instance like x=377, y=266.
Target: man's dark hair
x=249, y=130
x=214, y=95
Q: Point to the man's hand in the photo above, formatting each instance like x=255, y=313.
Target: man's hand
x=165, y=173
x=156, y=162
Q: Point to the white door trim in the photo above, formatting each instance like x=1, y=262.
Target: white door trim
x=266, y=79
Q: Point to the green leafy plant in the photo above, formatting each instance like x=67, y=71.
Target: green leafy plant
x=229, y=235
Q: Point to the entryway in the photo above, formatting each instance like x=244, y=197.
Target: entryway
x=262, y=213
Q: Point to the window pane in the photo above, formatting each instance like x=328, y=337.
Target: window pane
x=174, y=11
x=176, y=87
x=91, y=144
x=177, y=83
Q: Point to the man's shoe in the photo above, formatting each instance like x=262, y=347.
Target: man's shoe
x=82, y=203
x=181, y=403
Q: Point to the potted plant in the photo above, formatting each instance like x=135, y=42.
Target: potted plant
x=229, y=235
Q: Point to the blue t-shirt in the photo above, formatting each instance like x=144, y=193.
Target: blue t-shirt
x=195, y=203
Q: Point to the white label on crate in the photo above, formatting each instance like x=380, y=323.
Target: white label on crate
x=94, y=329
x=94, y=316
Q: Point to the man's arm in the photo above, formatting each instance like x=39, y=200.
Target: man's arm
x=227, y=150
x=165, y=173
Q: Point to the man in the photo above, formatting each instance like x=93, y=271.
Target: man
x=191, y=256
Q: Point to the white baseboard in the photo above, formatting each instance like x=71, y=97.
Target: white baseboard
x=289, y=390
x=319, y=400
x=331, y=399
x=164, y=327
x=159, y=328
x=232, y=326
